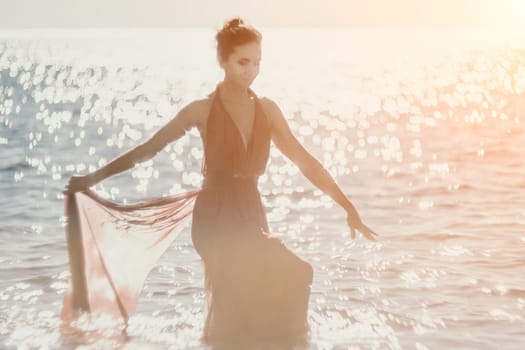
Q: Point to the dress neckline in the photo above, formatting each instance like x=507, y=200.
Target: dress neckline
x=246, y=143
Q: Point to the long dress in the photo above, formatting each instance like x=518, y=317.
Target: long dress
x=255, y=287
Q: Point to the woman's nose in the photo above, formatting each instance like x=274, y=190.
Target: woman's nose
x=253, y=71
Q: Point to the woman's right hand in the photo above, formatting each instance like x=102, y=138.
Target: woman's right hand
x=79, y=183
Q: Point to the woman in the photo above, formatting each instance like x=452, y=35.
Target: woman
x=254, y=285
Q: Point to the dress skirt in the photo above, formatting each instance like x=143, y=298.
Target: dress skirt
x=256, y=288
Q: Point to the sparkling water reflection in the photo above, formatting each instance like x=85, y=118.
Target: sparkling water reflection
x=427, y=141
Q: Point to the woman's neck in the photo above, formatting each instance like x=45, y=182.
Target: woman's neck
x=231, y=91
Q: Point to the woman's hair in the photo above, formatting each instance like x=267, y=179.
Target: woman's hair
x=235, y=32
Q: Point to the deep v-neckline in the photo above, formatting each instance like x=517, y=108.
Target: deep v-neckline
x=246, y=143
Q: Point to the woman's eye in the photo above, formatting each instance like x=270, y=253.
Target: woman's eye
x=245, y=63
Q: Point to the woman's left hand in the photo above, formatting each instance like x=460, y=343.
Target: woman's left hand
x=355, y=223
x=79, y=183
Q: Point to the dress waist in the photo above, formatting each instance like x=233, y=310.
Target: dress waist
x=229, y=179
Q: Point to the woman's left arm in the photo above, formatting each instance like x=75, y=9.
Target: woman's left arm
x=312, y=169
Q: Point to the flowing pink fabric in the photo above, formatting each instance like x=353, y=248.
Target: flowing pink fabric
x=113, y=247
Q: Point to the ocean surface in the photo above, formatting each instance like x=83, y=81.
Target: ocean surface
x=423, y=129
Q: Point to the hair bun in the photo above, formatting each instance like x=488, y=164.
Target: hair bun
x=233, y=23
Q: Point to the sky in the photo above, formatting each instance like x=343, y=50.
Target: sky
x=487, y=14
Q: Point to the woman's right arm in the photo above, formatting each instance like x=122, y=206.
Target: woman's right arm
x=185, y=119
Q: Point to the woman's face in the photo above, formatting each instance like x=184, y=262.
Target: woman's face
x=242, y=66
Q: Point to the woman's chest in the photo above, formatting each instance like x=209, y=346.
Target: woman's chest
x=242, y=117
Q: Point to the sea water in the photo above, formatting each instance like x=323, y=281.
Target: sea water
x=424, y=130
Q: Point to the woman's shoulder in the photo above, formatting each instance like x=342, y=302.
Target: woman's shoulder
x=270, y=107
x=200, y=105
x=198, y=110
